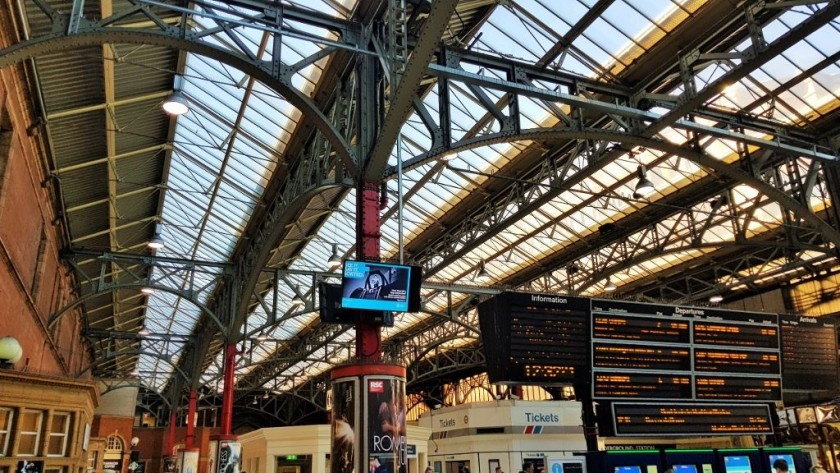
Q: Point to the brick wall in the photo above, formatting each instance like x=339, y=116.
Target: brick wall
x=103, y=426
x=33, y=282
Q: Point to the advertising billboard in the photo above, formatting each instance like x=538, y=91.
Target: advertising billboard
x=386, y=439
x=344, y=426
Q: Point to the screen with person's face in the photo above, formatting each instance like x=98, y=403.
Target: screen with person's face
x=788, y=458
x=375, y=286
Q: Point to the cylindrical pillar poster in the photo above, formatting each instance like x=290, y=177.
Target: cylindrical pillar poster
x=345, y=419
x=368, y=419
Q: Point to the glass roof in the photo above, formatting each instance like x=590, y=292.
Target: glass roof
x=230, y=143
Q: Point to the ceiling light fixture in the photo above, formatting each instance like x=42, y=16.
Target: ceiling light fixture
x=643, y=187
x=610, y=286
x=147, y=290
x=335, y=260
x=176, y=103
x=156, y=242
x=482, y=275
x=447, y=156
x=297, y=301
x=262, y=337
x=716, y=299
x=144, y=332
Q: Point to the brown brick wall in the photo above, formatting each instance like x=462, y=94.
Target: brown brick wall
x=33, y=282
x=103, y=426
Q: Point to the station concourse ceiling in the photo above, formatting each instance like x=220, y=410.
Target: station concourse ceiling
x=523, y=129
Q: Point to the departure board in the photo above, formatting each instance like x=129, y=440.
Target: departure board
x=648, y=329
x=809, y=353
x=741, y=388
x=651, y=352
x=640, y=357
x=535, y=338
x=646, y=386
x=675, y=419
x=736, y=361
x=736, y=335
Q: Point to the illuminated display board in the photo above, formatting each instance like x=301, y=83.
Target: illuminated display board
x=651, y=351
x=732, y=361
x=809, y=353
x=647, y=386
x=639, y=419
x=623, y=327
x=738, y=388
x=640, y=357
x=736, y=335
x=535, y=338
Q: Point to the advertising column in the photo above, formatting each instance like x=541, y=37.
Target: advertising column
x=368, y=419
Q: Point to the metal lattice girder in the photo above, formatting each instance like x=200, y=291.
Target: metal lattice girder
x=522, y=197
x=756, y=269
x=274, y=371
x=401, y=100
x=101, y=273
x=681, y=221
x=159, y=23
x=538, y=173
x=522, y=81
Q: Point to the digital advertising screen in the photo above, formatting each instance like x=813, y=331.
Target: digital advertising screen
x=628, y=469
x=685, y=468
x=380, y=286
x=782, y=456
x=737, y=464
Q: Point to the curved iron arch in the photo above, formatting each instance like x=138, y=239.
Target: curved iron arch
x=57, y=42
x=138, y=385
x=683, y=249
x=701, y=159
x=60, y=312
x=112, y=355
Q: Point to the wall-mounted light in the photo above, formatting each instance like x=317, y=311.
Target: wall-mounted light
x=10, y=352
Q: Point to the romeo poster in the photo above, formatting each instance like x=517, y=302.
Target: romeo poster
x=385, y=397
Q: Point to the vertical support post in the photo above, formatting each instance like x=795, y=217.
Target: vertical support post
x=590, y=422
x=190, y=441
x=227, y=394
x=368, y=335
x=170, y=436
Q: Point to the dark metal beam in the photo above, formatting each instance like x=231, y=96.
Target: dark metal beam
x=403, y=97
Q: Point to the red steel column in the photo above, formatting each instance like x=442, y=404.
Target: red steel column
x=170, y=437
x=227, y=394
x=368, y=336
x=188, y=444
